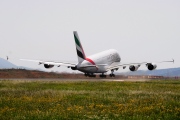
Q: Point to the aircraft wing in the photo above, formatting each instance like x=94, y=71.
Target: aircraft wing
x=52, y=63
x=136, y=65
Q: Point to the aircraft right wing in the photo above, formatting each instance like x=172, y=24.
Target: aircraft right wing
x=135, y=66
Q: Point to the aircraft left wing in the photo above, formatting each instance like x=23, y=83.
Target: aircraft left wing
x=135, y=66
x=50, y=64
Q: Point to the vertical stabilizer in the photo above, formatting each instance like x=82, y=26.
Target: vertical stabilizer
x=80, y=52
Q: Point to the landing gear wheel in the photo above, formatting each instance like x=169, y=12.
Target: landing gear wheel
x=112, y=75
x=102, y=75
x=92, y=75
x=89, y=75
x=86, y=74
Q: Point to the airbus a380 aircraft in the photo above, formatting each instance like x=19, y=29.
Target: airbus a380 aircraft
x=102, y=62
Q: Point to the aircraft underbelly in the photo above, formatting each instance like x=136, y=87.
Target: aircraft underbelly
x=93, y=70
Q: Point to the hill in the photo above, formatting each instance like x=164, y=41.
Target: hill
x=171, y=72
x=4, y=64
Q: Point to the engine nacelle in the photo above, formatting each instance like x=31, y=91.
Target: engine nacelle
x=151, y=66
x=47, y=66
x=74, y=68
x=133, y=67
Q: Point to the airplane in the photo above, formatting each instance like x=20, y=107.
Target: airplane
x=102, y=62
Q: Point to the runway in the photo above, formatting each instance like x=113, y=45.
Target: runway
x=76, y=80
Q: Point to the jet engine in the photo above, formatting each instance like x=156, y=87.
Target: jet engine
x=133, y=67
x=151, y=66
x=74, y=68
x=48, y=66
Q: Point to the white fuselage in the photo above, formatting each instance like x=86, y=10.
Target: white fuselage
x=100, y=62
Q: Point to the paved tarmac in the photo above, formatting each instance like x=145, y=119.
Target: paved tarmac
x=75, y=80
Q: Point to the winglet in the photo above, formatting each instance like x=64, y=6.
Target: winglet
x=172, y=60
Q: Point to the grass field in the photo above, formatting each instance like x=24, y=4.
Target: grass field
x=149, y=100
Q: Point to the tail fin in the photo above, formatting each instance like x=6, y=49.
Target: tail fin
x=80, y=52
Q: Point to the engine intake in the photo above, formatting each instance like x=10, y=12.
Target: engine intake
x=133, y=67
x=151, y=66
x=47, y=66
x=74, y=68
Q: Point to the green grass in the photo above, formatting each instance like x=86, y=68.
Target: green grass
x=20, y=99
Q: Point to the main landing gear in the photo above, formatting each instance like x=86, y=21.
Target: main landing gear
x=89, y=75
x=102, y=75
x=112, y=73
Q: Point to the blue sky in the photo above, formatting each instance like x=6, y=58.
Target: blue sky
x=141, y=30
